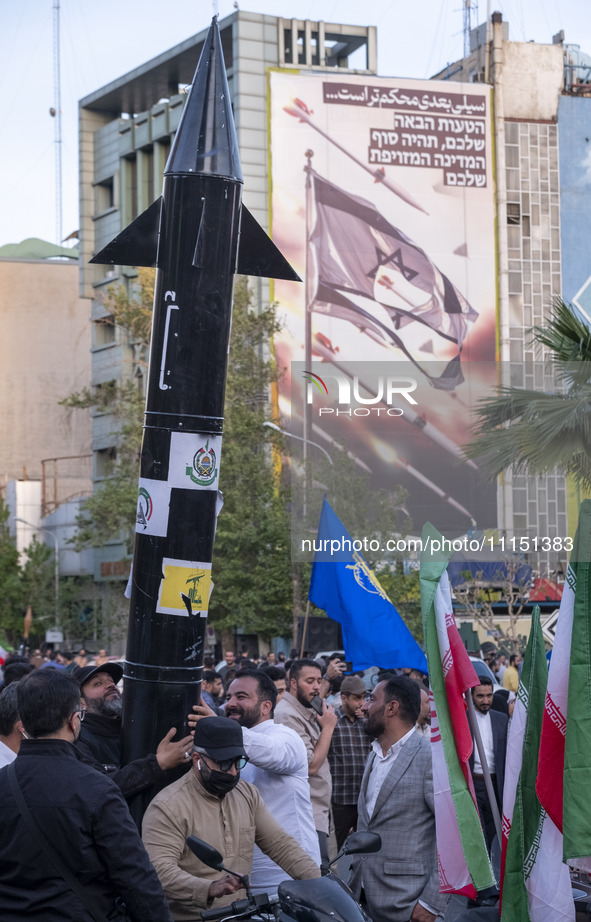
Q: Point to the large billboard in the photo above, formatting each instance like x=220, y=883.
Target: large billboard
x=383, y=201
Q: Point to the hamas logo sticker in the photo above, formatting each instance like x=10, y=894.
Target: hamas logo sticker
x=145, y=507
x=204, y=470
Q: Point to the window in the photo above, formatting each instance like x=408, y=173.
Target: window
x=104, y=195
x=513, y=213
x=103, y=331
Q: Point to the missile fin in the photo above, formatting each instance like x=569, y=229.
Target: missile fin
x=137, y=245
x=258, y=255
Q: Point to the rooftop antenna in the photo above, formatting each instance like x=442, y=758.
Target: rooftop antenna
x=56, y=112
x=470, y=6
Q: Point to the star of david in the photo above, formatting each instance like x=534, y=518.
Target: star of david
x=396, y=259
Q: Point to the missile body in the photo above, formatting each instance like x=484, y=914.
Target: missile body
x=197, y=235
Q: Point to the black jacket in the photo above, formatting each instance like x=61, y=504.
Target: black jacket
x=85, y=818
x=99, y=745
x=500, y=725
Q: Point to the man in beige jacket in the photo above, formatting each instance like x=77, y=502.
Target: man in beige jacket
x=297, y=710
x=211, y=802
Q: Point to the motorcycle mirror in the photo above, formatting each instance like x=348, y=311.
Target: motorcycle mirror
x=206, y=853
x=212, y=858
x=363, y=841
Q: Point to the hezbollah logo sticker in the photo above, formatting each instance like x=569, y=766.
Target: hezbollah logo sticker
x=184, y=581
x=145, y=508
x=204, y=469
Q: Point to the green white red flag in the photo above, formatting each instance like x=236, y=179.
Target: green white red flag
x=564, y=766
x=464, y=865
x=535, y=884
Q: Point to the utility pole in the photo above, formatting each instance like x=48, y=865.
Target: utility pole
x=469, y=7
x=56, y=112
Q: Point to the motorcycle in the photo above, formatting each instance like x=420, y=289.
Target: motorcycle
x=325, y=899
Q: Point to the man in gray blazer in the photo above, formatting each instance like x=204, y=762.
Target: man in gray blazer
x=400, y=882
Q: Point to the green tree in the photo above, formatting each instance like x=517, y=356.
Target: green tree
x=11, y=595
x=23, y=582
x=404, y=591
x=252, y=547
x=535, y=431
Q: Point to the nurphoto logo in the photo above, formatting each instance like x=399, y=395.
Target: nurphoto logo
x=360, y=397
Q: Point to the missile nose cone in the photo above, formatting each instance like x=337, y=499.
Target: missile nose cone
x=206, y=141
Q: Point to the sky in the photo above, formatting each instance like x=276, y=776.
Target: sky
x=102, y=41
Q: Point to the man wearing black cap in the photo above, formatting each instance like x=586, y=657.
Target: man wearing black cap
x=99, y=743
x=212, y=803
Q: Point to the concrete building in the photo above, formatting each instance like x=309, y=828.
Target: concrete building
x=45, y=459
x=126, y=129
x=44, y=357
x=542, y=110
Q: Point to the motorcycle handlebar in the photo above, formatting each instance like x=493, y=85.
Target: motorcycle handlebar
x=218, y=913
x=238, y=907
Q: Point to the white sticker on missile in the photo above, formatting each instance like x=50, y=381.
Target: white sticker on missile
x=194, y=461
x=184, y=579
x=153, y=503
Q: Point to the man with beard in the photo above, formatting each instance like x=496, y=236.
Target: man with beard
x=400, y=882
x=347, y=755
x=424, y=719
x=277, y=766
x=212, y=802
x=297, y=710
x=493, y=727
x=99, y=743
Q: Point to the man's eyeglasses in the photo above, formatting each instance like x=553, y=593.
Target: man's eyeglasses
x=239, y=761
x=81, y=713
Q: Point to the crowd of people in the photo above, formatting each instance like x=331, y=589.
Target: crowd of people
x=282, y=761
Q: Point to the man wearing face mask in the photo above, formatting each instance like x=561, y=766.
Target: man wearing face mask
x=86, y=830
x=100, y=737
x=212, y=803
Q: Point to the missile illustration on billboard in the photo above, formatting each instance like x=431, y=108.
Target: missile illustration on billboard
x=198, y=234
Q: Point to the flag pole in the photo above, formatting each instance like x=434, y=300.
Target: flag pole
x=492, y=797
x=305, y=629
x=308, y=312
x=299, y=109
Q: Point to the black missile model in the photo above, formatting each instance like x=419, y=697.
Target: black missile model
x=198, y=234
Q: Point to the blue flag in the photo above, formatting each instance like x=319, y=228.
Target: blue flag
x=343, y=585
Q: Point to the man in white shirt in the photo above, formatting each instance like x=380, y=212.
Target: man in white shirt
x=401, y=881
x=277, y=766
x=493, y=731
x=11, y=729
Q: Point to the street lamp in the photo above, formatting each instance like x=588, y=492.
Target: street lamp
x=296, y=571
x=57, y=563
x=292, y=435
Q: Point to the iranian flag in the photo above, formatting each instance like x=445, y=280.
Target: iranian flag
x=464, y=866
x=564, y=772
x=535, y=882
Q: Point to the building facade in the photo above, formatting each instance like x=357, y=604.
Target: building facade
x=542, y=121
